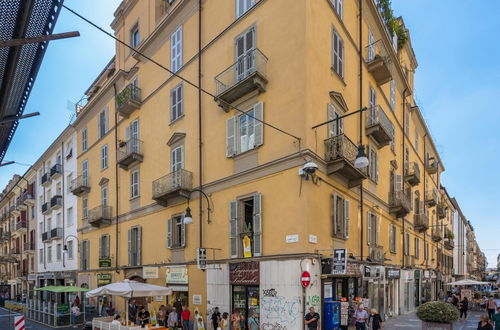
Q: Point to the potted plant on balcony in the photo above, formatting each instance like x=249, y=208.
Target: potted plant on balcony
x=437, y=315
x=450, y=235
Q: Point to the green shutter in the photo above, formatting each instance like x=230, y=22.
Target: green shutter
x=233, y=222
x=257, y=225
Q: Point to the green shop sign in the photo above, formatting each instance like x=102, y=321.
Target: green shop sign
x=104, y=262
x=103, y=279
x=62, y=309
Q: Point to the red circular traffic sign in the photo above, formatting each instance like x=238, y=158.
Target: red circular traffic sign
x=305, y=279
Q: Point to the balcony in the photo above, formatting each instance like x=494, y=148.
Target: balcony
x=431, y=198
x=22, y=227
x=56, y=171
x=16, y=251
x=46, y=179
x=441, y=211
x=56, y=233
x=80, y=185
x=378, y=62
x=376, y=254
x=340, y=155
x=3, y=217
x=412, y=173
x=399, y=204
x=432, y=166
x=100, y=215
x=130, y=153
x=46, y=208
x=172, y=187
x=6, y=235
x=128, y=100
x=449, y=244
x=409, y=261
x=437, y=234
x=46, y=237
x=29, y=199
x=246, y=75
x=379, y=127
x=29, y=247
x=56, y=202
x=421, y=222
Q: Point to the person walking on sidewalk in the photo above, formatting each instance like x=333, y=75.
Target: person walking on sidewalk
x=361, y=317
x=311, y=319
x=375, y=320
x=492, y=306
x=464, y=307
x=484, y=324
x=496, y=318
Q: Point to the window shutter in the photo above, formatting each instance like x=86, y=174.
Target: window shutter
x=179, y=45
x=183, y=233
x=332, y=125
x=377, y=229
x=258, y=125
x=127, y=133
x=173, y=102
x=233, y=221
x=334, y=214
x=369, y=231
x=99, y=125
x=100, y=246
x=106, y=120
x=169, y=232
x=139, y=247
x=231, y=137
x=346, y=218
x=376, y=167
x=421, y=207
x=257, y=225
x=341, y=57
x=82, y=256
x=108, y=241
x=398, y=183
x=130, y=247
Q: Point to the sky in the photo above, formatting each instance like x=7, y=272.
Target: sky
x=456, y=85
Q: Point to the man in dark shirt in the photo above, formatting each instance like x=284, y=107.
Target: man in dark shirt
x=143, y=316
x=215, y=317
x=132, y=310
x=311, y=319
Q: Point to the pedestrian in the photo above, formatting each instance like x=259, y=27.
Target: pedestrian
x=361, y=317
x=178, y=308
x=143, y=316
x=75, y=312
x=224, y=322
x=215, y=318
x=455, y=300
x=464, y=307
x=253, y=321
x=132, y=311
x=311, y=319
x=116, y=320
x=484, y=302
x=484, y=324
x=161, y=316
x=375, y=320
x=236, y=320
x=492, y=306
x=173, y=319
x=186, y=315
x=496, y=319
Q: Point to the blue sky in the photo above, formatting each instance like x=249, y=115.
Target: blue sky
x=456, y=84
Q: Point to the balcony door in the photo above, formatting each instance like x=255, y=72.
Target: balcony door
x=245, y=56
x=132, y=136
x=372, y=109
x=177, y=164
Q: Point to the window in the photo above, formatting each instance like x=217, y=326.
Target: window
x=416, y=141
x=102, y=123
x=49, y=254
x=104, y=157
x=134, y=36
x=132, y=137
x=176, y=50
x=177, y=158
x=69, y=179
x=59, y=252
x=340, y=216
x=407, y=244
x=40, y=256
x=104, y=247
x=372, y=97
x=242, y=6
x=85, y=208
x=176, y=102
x=335, y=127
x=41, y=229
x=69, y=216
x=70, y=250
x=392, y=238
x=373, y=165
x=245, y=55
x=338, y=54
x=337, y=4
x=134, y=184
x=246, y=227
x=245, y=132
x=59, y=220
x=393, y=95
x=371, y=46
x=84, y=139
x=373, y=222
x=85, y=172
x=417, y=248
x=426, y=251
x=85, y=255
x=134, y=246
x=393, y=141
x=176, y=235
x=407, y=122
x=104, y=195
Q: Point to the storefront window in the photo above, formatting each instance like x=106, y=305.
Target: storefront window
x=246, y=300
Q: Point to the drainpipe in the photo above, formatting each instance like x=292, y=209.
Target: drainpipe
x=425, y=189
x=403, y=171
x=116, y=184
x=200, y=126
x=361, y=197
x=63, y=193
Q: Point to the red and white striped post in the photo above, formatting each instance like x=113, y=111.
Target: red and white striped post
x=19, y=323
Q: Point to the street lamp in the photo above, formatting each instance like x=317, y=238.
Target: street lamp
x=361, y=160
x=188, y=218
x=65, y=247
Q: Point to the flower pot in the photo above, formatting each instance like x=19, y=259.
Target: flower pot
x=436, y=326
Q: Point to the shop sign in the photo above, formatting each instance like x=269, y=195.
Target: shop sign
x=62, y=308
x=427, y=274
x=103, y=279
x=344, y=313
x=177, y=275
x=247, y=247
x=11, y=282
x=197, y=299
x=339, y=261
x=150, y=272
x=417, y=274
x=372, y=272
x=393, y=273
x=292, y=238
x=104, y=262
x=31, y=277
x=244, y=273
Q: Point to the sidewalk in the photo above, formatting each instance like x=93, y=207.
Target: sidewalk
x=410, y=321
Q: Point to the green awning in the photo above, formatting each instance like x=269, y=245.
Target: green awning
x=61, y=288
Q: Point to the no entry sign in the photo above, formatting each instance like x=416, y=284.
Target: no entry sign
x=305, y=279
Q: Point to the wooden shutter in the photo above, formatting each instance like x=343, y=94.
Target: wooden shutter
x=231, y=137
x=170, y=231
x=346, y=218
x=233, y=231
x=258, y=125
x=341, y=56
x=82, y=256
x=99, y=125
x=369, y=231
x=108, y=241
x=332, y=125
x=398, y=182
x=376, y=167
x=106, y=120
x=183, y=233
x=130, y=247
x=100, y=247
x=139, y=247
x=377, y=229
x=333, y=217
x=257, y=225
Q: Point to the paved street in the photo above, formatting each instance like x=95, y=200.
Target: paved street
x=7, y=322
x=410, y=321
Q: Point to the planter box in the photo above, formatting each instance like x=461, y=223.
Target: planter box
x=436, y=326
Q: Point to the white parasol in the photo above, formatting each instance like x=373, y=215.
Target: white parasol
x=467, y=283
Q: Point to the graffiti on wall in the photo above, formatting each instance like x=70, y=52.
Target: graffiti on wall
x=273, y=326
x=269, y=292
x=314, y=301
x=281, y=312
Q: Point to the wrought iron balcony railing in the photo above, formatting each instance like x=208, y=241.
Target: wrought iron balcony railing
x=46, y=179
x=56, y=233
x=174, y=184
x=399, y=203
x=46, y=208
x=379, y=126
x=130, y=153
x=56, y=171
x=412, y=173
x=56, y=202
x=421, y=221
x=100, y=215
x=128, y=100
x=80, y=185
x=378, y=61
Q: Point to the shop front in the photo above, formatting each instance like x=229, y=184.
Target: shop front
x=244, y=278
x=408, y=290
x=178, y=280
x=392, y=276
x=426, y=286
x=373, y=279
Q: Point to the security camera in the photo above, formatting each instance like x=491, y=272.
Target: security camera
x=308, y=168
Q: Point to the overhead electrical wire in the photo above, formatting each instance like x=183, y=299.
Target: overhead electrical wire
x=180, y=77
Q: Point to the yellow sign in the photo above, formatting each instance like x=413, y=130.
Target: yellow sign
x=247, y=247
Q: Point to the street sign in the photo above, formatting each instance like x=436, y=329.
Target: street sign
x=305, y=279
x=201, y=258
x=339, y=261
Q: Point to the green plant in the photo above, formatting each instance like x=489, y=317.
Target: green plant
x=392, y=23
x=437, y=312
x=449, y=234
